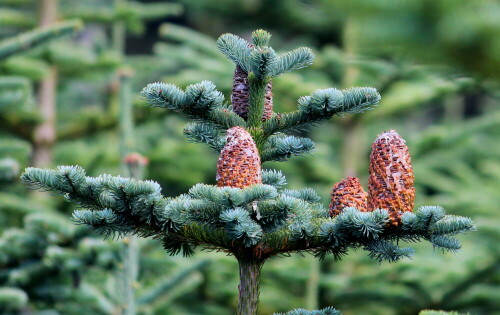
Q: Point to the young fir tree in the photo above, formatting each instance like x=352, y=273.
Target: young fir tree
x=248, y=214
x=412, y=93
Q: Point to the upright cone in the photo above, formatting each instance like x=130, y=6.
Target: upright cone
x=391, y=177
x=239, y=161
x=241, y=92
x=347, y=193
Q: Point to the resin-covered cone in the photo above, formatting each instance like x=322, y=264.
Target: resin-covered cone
x=241, y=92
x=239, y=161
x=347, y=193
x=390, y=185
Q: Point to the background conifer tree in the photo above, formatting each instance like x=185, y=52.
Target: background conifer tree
x=64, y=253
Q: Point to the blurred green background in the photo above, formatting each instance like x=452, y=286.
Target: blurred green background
x=435, y=63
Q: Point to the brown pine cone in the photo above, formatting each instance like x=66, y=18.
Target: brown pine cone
x=390, y=185
x=347, y=193
x=241, y=92
x=239, y=161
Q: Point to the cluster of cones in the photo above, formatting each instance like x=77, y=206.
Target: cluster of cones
x=390, y=185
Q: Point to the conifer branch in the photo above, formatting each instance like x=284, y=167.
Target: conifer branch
x=235, y=49
x=171, y=283
x=133, y=203
x=199, y=101
x=257, y=216
x=37, y=37
x=14, y=91
x=300, y=311
x=261, y=62
x=248, y=214
x=322, y=105
x=293, y=60
x=274, y=178
x=260, y=38
x=281, y=148
x=105, y=222
x=205, y=133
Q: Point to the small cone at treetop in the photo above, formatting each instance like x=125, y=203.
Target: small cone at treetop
x=347, y=193
x=239, y=161
x=241, y=93
x=390, y=185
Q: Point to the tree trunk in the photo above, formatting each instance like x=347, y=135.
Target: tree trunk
x=131, y=243
x=44, y=134
x=130, y=273
x=312, y=284
x=119, y=30
x=249, y=287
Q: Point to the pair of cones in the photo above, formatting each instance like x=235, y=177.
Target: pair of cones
x=390, y=185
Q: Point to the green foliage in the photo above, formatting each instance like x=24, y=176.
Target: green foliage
x=301, y=311
x=430, y=312
x=260, y=59
x=202, y=102
x=261, y=220
x=13, y=91
x=322, y=105
x=9, y=169
x=235, y=49
x=133, y=14
x=170, y=284
x=86, y=93
x=199, y=101
x=12, y=300
x=274, y=178
x=293, y=60
x=205, y=133
x=231, y=216
x=37, y=37
x=466, y=186
x=281, y=147
x=46, y=260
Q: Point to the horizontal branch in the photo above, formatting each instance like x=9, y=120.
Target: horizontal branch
x=258, y=219
x=37, y=37
x=322, y=105
x=199, y=101
x=281, y=148
x=131, y=203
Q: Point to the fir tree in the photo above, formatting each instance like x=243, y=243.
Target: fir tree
x=248, y=214
x=414, y=97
